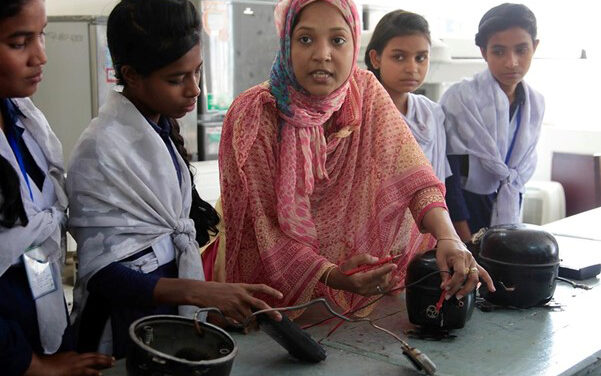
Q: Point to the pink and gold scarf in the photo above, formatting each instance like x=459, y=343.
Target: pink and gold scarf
x=302, y=117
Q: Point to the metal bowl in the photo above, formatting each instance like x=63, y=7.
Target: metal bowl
x=168, y=345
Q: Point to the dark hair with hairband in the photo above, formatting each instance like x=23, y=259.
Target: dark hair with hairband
x=503, y=17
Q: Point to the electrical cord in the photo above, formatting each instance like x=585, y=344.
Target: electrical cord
x=575, y=285
x=380, y=297
x=417, y=358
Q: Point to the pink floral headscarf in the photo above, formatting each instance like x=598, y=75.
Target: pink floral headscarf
x=302, y=153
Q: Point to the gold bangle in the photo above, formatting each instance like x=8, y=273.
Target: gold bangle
x=328, y=272
x=458, y=241
x=453, y=239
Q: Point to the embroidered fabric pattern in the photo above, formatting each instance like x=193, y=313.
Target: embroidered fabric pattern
x=296, y=201
x=374, y=173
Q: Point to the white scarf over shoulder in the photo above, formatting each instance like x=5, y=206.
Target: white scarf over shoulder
x=46, y=215
x=125, y=195
x=426, y=121
x=477, y=122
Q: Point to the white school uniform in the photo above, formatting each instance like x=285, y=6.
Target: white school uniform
x=46, y=215
x=478, y=124
x=124, y=199
x=425, y=118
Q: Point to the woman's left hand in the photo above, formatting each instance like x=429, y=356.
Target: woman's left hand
x=452, y=255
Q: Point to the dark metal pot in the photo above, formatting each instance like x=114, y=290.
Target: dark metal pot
x=523, y=261
x=166, y=345
x=422, y=296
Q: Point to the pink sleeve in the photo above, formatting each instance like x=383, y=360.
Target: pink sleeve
x=423, y=201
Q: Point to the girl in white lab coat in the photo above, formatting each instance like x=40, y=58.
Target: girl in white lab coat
x=135, y=213
x=399, y=55
x=35, y=337
x=493, y=123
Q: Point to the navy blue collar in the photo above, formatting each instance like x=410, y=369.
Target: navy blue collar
x=518, y=100
x=14, y=136
x=163, y=128
x=520, y=94
x=10, y=111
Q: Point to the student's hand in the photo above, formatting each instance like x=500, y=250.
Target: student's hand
x=454, y=255
x=69, y=364
x=234, y=300
x=375, y=281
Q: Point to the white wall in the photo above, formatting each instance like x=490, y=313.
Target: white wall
x=569, y=86
x=79, y=7
x=563, y=140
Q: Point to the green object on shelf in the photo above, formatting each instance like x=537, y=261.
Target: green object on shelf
x=218, y=103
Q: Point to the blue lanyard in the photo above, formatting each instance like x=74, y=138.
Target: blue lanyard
x=517, y=128
x=12, y=140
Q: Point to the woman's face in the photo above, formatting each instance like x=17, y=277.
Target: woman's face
x=22, y=54
x=403, y=63
x=322, y=49
x=508, y=54
x=171, y=91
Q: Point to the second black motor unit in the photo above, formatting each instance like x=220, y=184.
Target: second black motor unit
x=523, y=261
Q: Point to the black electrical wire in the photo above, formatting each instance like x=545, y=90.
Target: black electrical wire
x=380, y=297
x=419, y=359
x=575, y=285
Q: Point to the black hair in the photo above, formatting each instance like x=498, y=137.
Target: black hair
x=204, y=215
x=503, y=17
x=394, y=24
x=10, y=8
x=11, y=207
x=148, y=35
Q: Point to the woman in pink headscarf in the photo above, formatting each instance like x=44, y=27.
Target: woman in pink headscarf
x=320, y=175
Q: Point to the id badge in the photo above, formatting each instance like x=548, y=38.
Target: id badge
x=39, y=273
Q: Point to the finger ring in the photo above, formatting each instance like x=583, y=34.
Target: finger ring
x=474, y=270
x=379, y=289
x=466, y=271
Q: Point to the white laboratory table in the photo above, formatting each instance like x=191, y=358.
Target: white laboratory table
x=562, y=341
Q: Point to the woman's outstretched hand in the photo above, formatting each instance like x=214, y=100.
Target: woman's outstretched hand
x=453, y=255
x=378, y=280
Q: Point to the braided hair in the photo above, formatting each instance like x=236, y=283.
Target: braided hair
x=12, y=212
x=204, y=215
